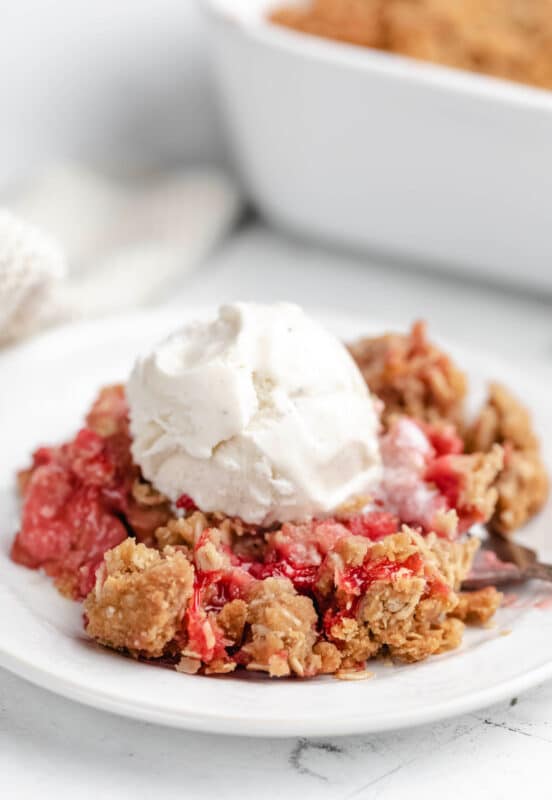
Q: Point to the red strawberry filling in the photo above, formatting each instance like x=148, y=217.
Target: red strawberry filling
x=78, y=503
x=74, y=501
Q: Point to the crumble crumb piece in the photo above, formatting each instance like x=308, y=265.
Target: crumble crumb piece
x=354, y=674
x=522, y=484
x=220, y=667
x=389, y=607
x=353, y=640
x=502, y=419
x=330, y=657
x=109, y=413
x=392, y=595
x=411, y=376
x=211, y=551
x=147, y=510
x=232, y=618
x=522, y=489
x=355, y=505
x=139, y=598
x=445, y=524
x=281, y=630
x=187, y=665
x=186, y=531
x=144, y=494
x=480, y=471
x=418, y=645
x=428, y=629
x=474, y=494
x=453, y=631
x=182, y=531
x=477, y=608
x=454, y=558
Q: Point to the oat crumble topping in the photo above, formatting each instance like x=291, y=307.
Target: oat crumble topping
x=522, y=485
x=411, y=376
x=504, y=38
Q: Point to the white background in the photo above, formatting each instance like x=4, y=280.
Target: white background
x=110, y=80
x=125, y=82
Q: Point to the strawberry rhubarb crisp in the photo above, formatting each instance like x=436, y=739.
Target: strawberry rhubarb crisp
x=239, y=504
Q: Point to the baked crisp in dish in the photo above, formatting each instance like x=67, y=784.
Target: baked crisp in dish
x=207, y=592
x=504, y=38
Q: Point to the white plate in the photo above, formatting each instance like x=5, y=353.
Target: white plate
x=47, y=386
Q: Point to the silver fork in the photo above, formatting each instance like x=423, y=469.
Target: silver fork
x=501, y=561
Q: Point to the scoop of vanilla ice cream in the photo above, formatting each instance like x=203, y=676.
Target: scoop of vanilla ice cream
x=260, y=414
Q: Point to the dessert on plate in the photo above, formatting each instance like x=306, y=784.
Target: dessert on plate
x=259, y=496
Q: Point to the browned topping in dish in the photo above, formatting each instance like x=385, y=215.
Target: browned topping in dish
x=504, y=38
x=354, y=21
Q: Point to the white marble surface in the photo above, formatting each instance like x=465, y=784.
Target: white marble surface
x=50, y=747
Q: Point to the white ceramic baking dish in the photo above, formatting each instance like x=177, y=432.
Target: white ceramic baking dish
x=384, y=153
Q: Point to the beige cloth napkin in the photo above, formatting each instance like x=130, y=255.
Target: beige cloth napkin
x=77, y=244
